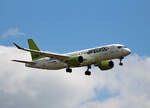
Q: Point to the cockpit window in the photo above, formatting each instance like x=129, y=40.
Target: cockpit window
x=119, y=47
x=122, y=47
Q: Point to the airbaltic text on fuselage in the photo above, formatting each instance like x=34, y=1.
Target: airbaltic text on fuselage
x=98, y=50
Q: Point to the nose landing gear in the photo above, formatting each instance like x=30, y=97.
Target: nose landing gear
x=121, y=64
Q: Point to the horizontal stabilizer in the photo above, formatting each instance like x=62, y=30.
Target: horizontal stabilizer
x=20, y=61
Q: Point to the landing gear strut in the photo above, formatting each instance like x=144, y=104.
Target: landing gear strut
x=69, y=70
x=87, y=72
x=121, y=64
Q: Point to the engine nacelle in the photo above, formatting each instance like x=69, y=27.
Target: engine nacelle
x=75, y=61
x=106, y=65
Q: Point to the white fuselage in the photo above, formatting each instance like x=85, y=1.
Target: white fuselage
x=91, y=56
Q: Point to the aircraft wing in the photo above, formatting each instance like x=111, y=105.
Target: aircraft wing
x=60, y=57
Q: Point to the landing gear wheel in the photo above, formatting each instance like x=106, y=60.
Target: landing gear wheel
x=121, y=64
x=68, y=70
x=87, y=73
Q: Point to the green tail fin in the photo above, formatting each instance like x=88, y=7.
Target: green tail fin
x=33, y=46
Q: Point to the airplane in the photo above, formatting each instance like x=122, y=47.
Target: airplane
x=99, y=56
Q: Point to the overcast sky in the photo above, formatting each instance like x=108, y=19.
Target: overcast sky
x=64, y=26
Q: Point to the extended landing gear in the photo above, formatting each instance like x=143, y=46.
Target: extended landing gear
x=121, y=64
x=69, y=70
x=87, y=72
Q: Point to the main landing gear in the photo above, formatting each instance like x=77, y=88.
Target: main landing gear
x=69, y=70
x=87, y=72
x=121, y=64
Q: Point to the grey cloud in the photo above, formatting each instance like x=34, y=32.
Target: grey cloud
x=22, y=87
x=132, y=81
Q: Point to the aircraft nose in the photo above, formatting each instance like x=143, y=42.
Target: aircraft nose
x=128, y=51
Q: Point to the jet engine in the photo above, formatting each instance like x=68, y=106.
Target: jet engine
x=75, y=61
x=106, y=65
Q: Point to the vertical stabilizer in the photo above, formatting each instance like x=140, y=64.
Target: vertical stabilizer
x=33, y=46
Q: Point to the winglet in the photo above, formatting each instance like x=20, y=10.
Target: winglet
x=17, y=45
